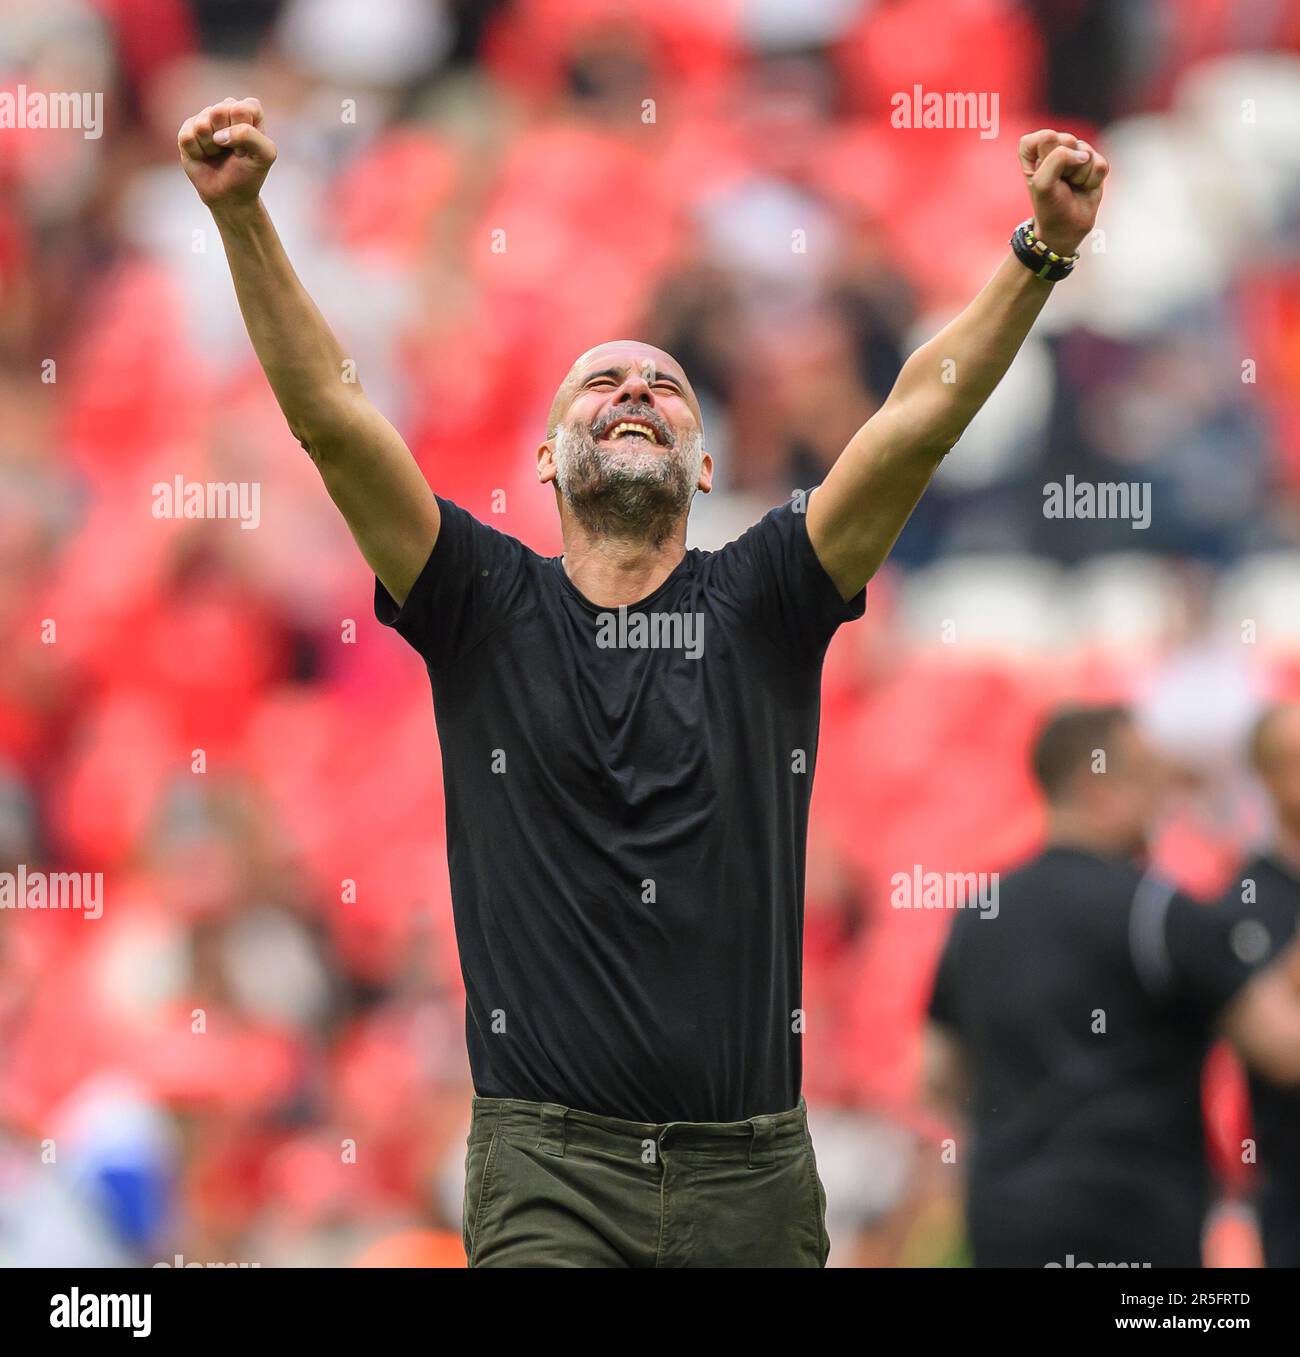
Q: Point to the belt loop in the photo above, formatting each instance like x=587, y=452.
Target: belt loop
x=551, y=1140
x=760, y=1144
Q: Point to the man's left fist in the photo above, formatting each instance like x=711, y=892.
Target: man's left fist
x=1065, y=176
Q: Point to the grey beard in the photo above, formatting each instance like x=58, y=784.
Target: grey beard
x=613, y=500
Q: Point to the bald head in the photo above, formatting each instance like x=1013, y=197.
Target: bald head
x=620, y=358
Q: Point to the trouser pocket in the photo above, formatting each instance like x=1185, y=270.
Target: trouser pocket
x=818, y=1203
x=480, y=1157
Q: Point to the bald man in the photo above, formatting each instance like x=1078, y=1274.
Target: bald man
x=628, y=733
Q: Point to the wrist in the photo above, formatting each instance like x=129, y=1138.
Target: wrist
x=1046, y=264
x=237, y=213
x=1063, y=242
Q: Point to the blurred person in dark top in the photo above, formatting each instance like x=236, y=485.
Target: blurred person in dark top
x=1265, y=898
x=1072, y=1024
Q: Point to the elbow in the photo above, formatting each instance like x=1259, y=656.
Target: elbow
x=944, y=441
x=318, y=439
x=324, y=422
x=931, y=429
x=307, y=443
x=302, y=438
x=943, y=430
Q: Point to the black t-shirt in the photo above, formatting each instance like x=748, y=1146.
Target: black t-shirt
x=1086, y=1006
x=1268, y=914
x=627, y=804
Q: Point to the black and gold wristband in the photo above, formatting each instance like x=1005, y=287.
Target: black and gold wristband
x=1034, y=254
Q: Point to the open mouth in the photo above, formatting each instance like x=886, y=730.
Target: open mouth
x=632, y=428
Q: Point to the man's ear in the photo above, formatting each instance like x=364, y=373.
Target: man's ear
x=705, y=483
x=546, y=461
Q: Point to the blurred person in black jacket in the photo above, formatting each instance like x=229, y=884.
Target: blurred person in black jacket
x=1071, y=1024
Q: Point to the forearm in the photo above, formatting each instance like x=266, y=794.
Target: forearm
x=860, y=508
x=889, y=462
x=366, y=467
x=946, y=381
x=302, y=359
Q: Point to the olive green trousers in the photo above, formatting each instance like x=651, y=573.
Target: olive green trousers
x=548, y=1186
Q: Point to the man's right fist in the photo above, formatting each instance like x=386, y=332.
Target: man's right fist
x=225, y=152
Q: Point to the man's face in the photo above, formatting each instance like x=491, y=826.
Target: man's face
x=1129, y=796
x=626, y=449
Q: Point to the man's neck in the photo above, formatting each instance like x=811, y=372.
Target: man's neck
x=1067, y=829
x=613, y=571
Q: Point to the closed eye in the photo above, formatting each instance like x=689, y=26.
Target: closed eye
x=609, y=380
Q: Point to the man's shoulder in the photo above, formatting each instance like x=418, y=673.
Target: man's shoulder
x=465, y=523
x=1067, y=883
x=780, y=520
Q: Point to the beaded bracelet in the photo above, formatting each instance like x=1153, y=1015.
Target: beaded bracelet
x=1034, y=254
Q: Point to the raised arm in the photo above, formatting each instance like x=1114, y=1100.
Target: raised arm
x=367, y=468
x=856, y=514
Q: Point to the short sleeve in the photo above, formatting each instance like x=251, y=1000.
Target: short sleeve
x=1184, y=951
x=474, y=580
x=771, y=574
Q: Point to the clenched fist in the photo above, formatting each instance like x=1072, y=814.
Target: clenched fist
x=1064, y=177
x=225, y=152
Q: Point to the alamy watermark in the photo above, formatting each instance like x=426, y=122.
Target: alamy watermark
x=1104, y=499
x=963, y=110
x=1071, y=1262
x=26, y=889
x=179, y=498
x=651, y=631
x=80, y=111
x=919, y=889
x=75, y=1309
x=179, y=1260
